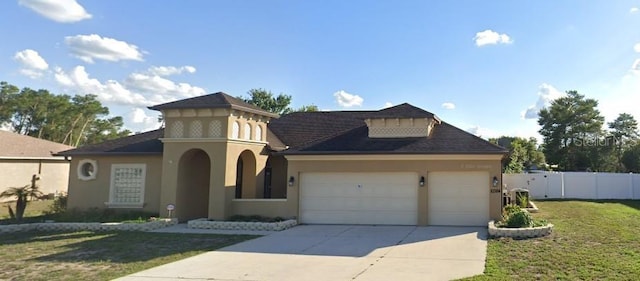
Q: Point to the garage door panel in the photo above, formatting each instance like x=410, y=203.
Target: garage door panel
x=458, y=198
x=359, y=198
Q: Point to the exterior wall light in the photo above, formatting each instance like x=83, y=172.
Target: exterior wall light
x=495, y=181
x=291, y=180
x=421, y=181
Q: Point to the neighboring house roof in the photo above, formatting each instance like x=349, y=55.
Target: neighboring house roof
x=216, y=100
x=14, y=145
x=143, y=143
x=321, y=132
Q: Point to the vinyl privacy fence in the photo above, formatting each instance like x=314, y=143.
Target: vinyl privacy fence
x=576, y=185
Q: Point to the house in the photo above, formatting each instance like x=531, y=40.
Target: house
x=219, y=156
x=22, y=156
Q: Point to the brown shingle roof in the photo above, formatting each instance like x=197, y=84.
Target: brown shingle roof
x=13, y=145
x=143, y=143
x=328, y=132
x=216, y=100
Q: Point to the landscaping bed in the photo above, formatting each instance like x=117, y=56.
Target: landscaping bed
x=260, y=224
x=591, y=240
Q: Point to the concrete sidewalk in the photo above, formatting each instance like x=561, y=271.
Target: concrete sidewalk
x=339, y=252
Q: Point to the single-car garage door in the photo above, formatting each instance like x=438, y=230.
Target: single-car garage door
x=458, y=198
x=359, y=198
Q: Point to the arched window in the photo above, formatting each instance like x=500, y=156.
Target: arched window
x=235, y=133
x=247, y=131
x=258, y=133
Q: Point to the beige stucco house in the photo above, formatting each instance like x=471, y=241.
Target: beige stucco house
x=219, y=156
x=22, y=157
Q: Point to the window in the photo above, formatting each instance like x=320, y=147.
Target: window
x=87, y=169
x=215, y=129
x=177, y=130
x=247, y=131
x=235, y=133
x=258, y=133
x=196, y=129
x=127, y=185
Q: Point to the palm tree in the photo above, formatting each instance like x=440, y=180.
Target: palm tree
x=23, y=195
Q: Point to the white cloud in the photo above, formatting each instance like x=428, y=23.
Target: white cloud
x=636, y=48
x=345, y=99
x=137, y=89
x=490, y=37
x=483, y=132
x=546, y=94
x=58, y=10
x=32, y=64
x=139, y=119
x=90, y=47
x=634, y=10
x=171, y=70
x=448, y=105
x=78, y=81
x=161, y=89
x=387, y=104
x=636, y=65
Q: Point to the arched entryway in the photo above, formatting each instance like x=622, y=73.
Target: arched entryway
x=246, y=175
x=192, y=198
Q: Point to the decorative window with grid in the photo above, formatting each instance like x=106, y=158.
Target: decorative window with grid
x=196, y=129
x=127, y=185
x=247, y=131
x=235, y=133
x=258, y=133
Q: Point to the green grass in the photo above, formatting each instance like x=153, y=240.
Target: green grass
x=592, y=240
x=34, y=208
x=98, y=256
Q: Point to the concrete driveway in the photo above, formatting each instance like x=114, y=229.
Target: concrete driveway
x=339, y=252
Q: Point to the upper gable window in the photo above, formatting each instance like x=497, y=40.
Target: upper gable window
x=247, y=131
x=235, y=133
x=258, y=133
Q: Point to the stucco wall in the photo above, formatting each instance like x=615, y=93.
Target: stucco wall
x=54, y=174
x=422, y=167
x=94, y=193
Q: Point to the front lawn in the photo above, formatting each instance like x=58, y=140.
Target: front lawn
x=591, y=240
x=98, y=256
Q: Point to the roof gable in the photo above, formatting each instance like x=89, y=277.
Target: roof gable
x=215, y=100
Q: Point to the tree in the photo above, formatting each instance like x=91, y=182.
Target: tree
x=624, y=131
x=265, y=99
x=69, y=120
x=572, y=130
x=307, y=108
x=524, y=154
x=631, y=159
x=22, y=195
x=280, y=104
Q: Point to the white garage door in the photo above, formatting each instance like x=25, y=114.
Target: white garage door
x=359, y=198
x=458, y=198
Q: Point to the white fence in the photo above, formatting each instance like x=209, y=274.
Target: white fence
x=576, y=185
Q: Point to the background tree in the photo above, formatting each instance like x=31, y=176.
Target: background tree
x=631, y=159
x=69, y=120
x=524, y=154
x=572, y=130
x=624, y=132
x=276, y=104
x=267, y=101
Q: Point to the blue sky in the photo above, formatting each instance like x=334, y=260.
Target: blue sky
x=484, y=66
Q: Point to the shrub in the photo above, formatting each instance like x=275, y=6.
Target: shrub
x=521, y=218
x=59, y=205
x=510, y=209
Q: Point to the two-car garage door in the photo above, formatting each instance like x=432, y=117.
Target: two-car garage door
x=454, y=198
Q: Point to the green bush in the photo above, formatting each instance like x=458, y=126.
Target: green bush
x=519, y=219
x=59, y=205
x=510, y=209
